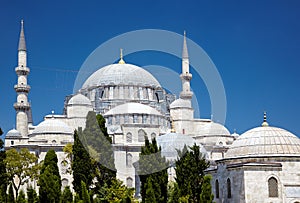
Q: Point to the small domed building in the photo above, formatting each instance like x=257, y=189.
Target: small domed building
x=262, y=165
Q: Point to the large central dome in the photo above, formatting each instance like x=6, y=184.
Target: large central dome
x=126, y=74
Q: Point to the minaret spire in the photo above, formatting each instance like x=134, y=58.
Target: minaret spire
x=185, y=75
x=22, y=106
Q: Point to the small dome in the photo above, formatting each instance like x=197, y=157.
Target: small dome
x=180, y=103
x=133, y=108
x=126, y=74
x=79, y=99
x=265, y=141
x=171, y=142
x=52, y=126
x=211, y=128
x=13, y=133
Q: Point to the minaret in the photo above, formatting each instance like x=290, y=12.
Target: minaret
x=22, y=105
x=185, y=75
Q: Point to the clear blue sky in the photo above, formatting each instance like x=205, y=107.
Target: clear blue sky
x=254, y=44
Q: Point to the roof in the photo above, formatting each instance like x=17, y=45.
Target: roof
x=79, y=99
x=121, y=74
x=265, y=141
x=52, y=126
x=133, y=108
x=22, y=44
x=212, y=128
x=13, y=133
x=181, y=103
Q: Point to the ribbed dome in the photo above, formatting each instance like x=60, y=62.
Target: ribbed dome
x=79, y=99
x=265, y=141
x=121, y=74
x=212, y=128
x=180, y=103
x=171, y=142
x=52, y=126
x=13, y=133
x=133, y=108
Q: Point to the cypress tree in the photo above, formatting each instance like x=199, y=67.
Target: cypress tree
x=50, y=180
x=31, y=195
x=206, y=195
x=11, y=196
x=67, y=196
x=21, y=197
x=85, y=193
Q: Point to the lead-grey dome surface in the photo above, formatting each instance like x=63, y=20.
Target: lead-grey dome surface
x=13, y=133
x=265, y=141
x=52, y=126
x=127, y=74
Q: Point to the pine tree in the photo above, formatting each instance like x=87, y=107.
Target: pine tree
x=67, y=196
x=31, y=195
x=21, y=197
x=206, y=195
x=3, y=175
x=85, y=194
x=11, y=196
x=82, y=167
x=158, y=181
x=190, y=173
x=50, y=180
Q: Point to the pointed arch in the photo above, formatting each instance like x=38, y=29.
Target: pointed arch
x=273, y=187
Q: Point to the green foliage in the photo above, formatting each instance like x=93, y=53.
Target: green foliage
x=67, y=196
x=50, y=180
x=116, y=192
x=3, y=175
x=82, y=166
x=190, y=174
x=206, y=195
x=31, y=195
x=21, y=167
x=21, y=197
x=11, y=196
x=85, y=194
x=158, y=181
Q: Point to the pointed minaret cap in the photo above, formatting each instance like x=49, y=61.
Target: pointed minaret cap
x=22, y=44
x=185, y=54
x=265, y=123
x=121, y=57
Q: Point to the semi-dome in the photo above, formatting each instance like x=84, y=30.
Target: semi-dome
x=265, y=141
x=180, y=103
x=171, y=142
x=133, y=108
x=13, y=133
x=52, y=126
x=212, y=128
x=79, y=99
x=126, y=74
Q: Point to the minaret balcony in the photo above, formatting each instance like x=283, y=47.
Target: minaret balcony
x=22, y=88
x=21, y=106
x=186, y=95
x=186, y=76
x=21, y=70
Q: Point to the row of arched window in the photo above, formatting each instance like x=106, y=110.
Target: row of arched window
x=272, y=187
x=141, y=136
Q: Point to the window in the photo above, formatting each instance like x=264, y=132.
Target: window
x=126, y=119
x=273, y=187
x=144, y=118
x=153, y=135
x=129, y=182
x=129, y=138
x=129, y=160
x=117, y=119
x=217, y=189
x=12, y=142
x=228, y=188
x=141, y=135
x=64, y=182
x=135, y=118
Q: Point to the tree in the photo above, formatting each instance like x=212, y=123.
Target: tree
x=21, y=197
x=85, y=194
x=158, y=181
x=190, y=173
x=21, y=167
x=50, y=180
x=82, y=166
x=67, y=196
x=206, y=195
x=31, y=195
x=3, y=175
x=11, y=196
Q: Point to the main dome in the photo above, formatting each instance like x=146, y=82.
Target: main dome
x=265, y=141
x=127, y=74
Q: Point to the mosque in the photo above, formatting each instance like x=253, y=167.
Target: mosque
x=261, y=165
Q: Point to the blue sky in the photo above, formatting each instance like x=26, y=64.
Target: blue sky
x=255, y=46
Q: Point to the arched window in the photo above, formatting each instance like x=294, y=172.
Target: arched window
x=153, y=135
x=64, y=182
x=141, y=135
x=129, y=138
x=228, y=188
x=129, y=160
x=273, y=187
x=217, y=189
x=129, y=182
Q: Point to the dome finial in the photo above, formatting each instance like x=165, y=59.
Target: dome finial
x=265, y=123
x=121, y=57
x=172, y=126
